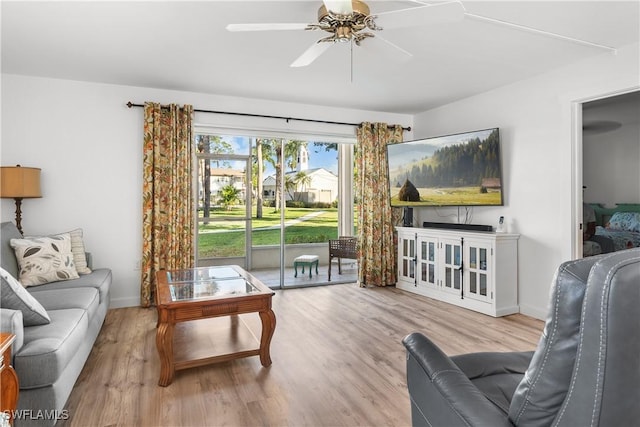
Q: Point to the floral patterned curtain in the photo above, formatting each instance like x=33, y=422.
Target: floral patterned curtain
x=167, y=199
x=376, y=218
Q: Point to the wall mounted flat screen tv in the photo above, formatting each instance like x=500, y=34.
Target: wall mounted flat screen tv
x=453, y=170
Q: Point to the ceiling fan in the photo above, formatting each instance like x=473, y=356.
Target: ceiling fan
x=351, y=21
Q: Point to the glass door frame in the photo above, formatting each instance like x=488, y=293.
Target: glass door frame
x=248, y=200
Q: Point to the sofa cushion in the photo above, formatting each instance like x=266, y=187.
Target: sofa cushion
x=100, y=278
x=48, y=349
x=44, y=259
x=16, y=297
x=8, y=231
x=58, y=299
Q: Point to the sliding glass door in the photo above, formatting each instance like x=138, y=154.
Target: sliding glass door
x=271, y=205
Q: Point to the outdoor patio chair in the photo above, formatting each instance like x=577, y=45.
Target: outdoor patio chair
x=342, y=247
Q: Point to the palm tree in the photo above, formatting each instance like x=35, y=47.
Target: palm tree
x=203, y=144
x=289, y=185
x=291, y=152
x=258, y=176
x=301, y=180
x=270, y=151
x=266, y=150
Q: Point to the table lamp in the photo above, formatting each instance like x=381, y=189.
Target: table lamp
x=19, y=183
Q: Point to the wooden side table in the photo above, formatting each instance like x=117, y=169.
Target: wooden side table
x=8, y=378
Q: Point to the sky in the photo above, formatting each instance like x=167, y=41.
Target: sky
x=412, y=151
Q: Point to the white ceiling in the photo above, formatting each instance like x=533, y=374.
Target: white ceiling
x=611, y=113
x=184, y=46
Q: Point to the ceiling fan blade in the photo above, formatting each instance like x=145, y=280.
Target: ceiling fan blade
x=341, y=7
x=311, y=54
x=438, y=13
x=393, y=45
x=265, y=27
x=538, y=31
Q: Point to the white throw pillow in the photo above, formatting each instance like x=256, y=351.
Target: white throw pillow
x=44, y=259
x=15, y=297
x=77, y=248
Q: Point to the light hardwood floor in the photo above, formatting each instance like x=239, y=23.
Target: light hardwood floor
x=337, y=357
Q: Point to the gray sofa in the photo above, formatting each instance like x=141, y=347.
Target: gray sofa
x=585, y=371
x=48, y=358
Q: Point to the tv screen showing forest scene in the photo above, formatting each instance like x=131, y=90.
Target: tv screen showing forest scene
x=453, y=170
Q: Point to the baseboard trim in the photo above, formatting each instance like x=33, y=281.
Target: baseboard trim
x=535, y=312
x=124, y=302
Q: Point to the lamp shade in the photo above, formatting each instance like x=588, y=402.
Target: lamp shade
x=19, y=182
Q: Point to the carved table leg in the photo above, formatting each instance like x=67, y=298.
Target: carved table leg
x=268, y=319
x=164, y=342
x=10, y=388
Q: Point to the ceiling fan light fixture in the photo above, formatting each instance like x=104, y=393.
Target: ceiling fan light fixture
x=360, y=8
x=345, y=27
x=343, y=34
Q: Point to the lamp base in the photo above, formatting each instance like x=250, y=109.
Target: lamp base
x=19, y=214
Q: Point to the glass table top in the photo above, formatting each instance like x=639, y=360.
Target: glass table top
x=207, y=282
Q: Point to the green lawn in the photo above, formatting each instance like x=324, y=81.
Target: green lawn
x=452, y=196
x=218, y=238
x=269, y=217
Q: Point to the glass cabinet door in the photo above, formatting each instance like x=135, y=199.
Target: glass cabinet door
x=477, y=271
x=451, y=280
x=427, y=261
x=407, y=259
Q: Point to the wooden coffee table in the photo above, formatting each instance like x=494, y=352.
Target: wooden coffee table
x=191, y=330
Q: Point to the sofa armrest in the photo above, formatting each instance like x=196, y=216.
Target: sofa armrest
x=11, y=322
x=440, y=393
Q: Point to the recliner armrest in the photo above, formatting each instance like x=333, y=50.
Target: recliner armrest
x=483, y=364
x=436, y=382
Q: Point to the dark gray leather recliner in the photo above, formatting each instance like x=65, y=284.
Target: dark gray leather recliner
x=584, y=372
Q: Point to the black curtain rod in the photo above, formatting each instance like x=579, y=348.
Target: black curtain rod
x=131, y=105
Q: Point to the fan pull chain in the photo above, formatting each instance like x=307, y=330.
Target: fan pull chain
x=351, y=60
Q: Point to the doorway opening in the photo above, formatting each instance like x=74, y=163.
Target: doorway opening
x=607, y=169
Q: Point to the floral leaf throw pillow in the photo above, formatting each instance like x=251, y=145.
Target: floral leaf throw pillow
x=44, y=259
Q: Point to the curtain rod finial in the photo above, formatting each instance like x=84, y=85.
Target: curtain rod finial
x=130, y=104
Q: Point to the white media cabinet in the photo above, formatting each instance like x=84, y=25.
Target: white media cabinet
x=471, y=269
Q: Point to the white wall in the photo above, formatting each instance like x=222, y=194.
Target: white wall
x=88, y=144
x=611, y=159
x=535, y=120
